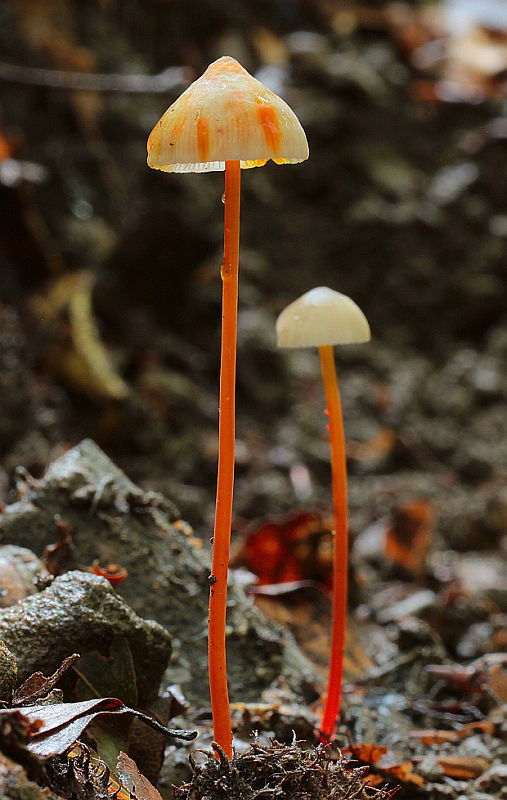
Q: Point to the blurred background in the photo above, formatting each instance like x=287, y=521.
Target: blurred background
x=109, y=272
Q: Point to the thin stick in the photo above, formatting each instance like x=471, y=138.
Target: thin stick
x=340, y=570
x=225, y=481
x=172, y=78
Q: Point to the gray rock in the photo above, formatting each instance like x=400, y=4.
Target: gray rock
x=8, y=672
x=15, y=784
x=21, y=574
x=77, y=613
x=113, y=520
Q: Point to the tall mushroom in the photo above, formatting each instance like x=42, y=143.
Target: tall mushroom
x=322, y=318
x=225, y=120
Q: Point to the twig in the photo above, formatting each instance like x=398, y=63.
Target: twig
x=171, y=78
x=381, y=672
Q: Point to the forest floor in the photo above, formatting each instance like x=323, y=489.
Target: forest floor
x=109, y=329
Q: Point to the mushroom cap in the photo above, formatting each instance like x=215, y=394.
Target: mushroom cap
x=320, y=317
x=226, y=115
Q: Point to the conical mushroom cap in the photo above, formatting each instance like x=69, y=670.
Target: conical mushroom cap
x=319, y=317
x=226, y=115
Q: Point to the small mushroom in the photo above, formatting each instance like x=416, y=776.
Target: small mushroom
x=322, y=318
x=225, y=120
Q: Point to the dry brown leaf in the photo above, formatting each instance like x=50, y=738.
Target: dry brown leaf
x=440, y=737
x=497, y=682
x=376, y=448
x=138, y=786
x=463, y=767
x=37, y=685
x=376, y=756
x=409, y=537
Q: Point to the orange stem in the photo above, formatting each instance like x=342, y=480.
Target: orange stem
x=225, y=479
x=340, y=570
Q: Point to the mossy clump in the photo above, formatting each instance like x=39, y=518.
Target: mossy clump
x=276, y=772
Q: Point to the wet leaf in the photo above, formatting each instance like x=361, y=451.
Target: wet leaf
x=57, y=727
x=145, y=745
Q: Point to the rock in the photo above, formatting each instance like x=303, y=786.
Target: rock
x=15, y=784
x=8, y=673
x=80, y=612
x=21, y=574
x=483, y=574
x=113, y=520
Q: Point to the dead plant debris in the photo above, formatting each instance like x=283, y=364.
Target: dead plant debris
x=278, y=771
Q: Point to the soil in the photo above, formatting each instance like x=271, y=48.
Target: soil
x=109, y=329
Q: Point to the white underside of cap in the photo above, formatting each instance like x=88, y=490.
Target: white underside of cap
x=219, y=166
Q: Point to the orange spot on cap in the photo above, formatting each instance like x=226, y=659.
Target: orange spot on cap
x=203, y=139
x=269, y=123
x=226, y=115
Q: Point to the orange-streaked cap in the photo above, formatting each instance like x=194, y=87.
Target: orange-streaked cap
x=226, y=115
x=319, y=317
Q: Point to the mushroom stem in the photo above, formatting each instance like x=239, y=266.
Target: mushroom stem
x=225, y=479
x=340, y=571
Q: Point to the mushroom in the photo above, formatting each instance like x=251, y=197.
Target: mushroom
x=322, y=318
x=225, y=120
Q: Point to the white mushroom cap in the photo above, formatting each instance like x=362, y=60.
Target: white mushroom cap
x=226, y=115
x=319, y=317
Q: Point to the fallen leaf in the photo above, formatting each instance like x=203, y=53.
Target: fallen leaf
x=59, y=726
x=410, y=535
x=81, y=775
x=59, y=556
x=138, y=786
x=111, y=572
x=463, y=767
x=147, y=746
x=496, y=682
x=489, y=672
x=296, y=548
x=82, y=359
x=113, y=676
x=441, y=737
x=37, y=686
x=375, y=449
x=377, y=757
x=369, y=753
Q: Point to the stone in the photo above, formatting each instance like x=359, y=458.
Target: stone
x=80, y=612
x=116, y=522
x=21, y=574
x=8, y=673
x=15, y=784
